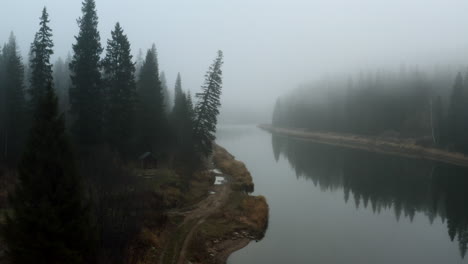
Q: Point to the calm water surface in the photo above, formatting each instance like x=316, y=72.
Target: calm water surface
x=336, y=205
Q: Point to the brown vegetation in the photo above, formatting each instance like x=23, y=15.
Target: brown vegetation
x=206, y=228
x=151, y=241
x=241, y=178
x=238, y=221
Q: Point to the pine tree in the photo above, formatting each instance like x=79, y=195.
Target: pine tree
x=190, y=109
x=86, y=93
x=166, y=94
x=178, y=97
x=152, y=123
x=14, y=111
x=3, y=104
x=119, y=76
x=182, y=118
x=40, y=66
x=139, y=62
x=49, y=223
x=207, y=108
x=178, y=109
x=438, y=121
x=188, y=123
x=456, y=117
x=277, y=111
x=62, y=83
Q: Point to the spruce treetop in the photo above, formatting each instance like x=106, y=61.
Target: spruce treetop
x=207, y=108
x=118, y=56
x=86, y=92
x=152, y=118
x=40, y=53
x=178, y=88
x=119, y=74
x=88, y=38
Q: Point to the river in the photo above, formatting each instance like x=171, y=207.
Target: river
x=337, y=205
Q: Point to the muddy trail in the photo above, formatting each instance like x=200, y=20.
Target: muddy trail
x=175, y=250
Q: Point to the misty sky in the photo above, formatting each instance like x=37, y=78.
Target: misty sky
x=270, y=46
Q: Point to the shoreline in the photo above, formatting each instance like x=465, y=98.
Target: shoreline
x=409, y=150
x=223, y=222
x=240, y=182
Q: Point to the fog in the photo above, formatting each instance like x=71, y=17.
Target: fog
x=270, y=46
x=282, y=131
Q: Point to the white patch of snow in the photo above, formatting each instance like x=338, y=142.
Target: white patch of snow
x=216, y=171
x=219, y=180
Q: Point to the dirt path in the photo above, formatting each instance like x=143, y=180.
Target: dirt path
x=229, y=203
x=192, y=221
x=204, y=209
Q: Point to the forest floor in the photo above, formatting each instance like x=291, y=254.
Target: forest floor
x=406, y=148
x=226, y=220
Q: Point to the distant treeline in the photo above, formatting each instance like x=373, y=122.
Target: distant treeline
x=76, y=200
x=429, y=107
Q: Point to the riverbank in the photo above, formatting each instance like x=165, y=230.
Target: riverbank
x=207, y=230
x=242, y=218
x=400, y=148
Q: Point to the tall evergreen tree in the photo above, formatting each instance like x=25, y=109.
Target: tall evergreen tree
x=179, y=101
x=3, y=104
x=40, y=66
x=438, y=121
x=190, y=108
x=14, y=108
x=139, y=62
x=188, y=123
x=86, y=93
x=178, y=95
x=49, y=223
x=457, y=115
x=276, y=118
x=182, y=117
x=152, y=123
x=62, y=82
x=207, y=108
x=166, y=94
x=119, y=76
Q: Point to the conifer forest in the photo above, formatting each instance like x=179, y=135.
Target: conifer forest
x=239, y=132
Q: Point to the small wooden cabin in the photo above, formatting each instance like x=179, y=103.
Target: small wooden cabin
x=148, y=161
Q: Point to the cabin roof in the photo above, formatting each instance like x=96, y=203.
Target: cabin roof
x=147, y=155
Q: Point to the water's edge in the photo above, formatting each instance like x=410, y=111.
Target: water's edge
x=372, y=145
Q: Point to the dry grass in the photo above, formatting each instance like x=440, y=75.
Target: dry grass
x=242, y=180
x=200, y=184
x=176, y=191
x=243, y=217
x=144, y=249
x=243, y=214
x=8, y=179
x=242, y=210
x=255, y=212
x=239, y=213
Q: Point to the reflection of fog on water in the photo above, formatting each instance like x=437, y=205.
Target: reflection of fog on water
x=385, y=182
